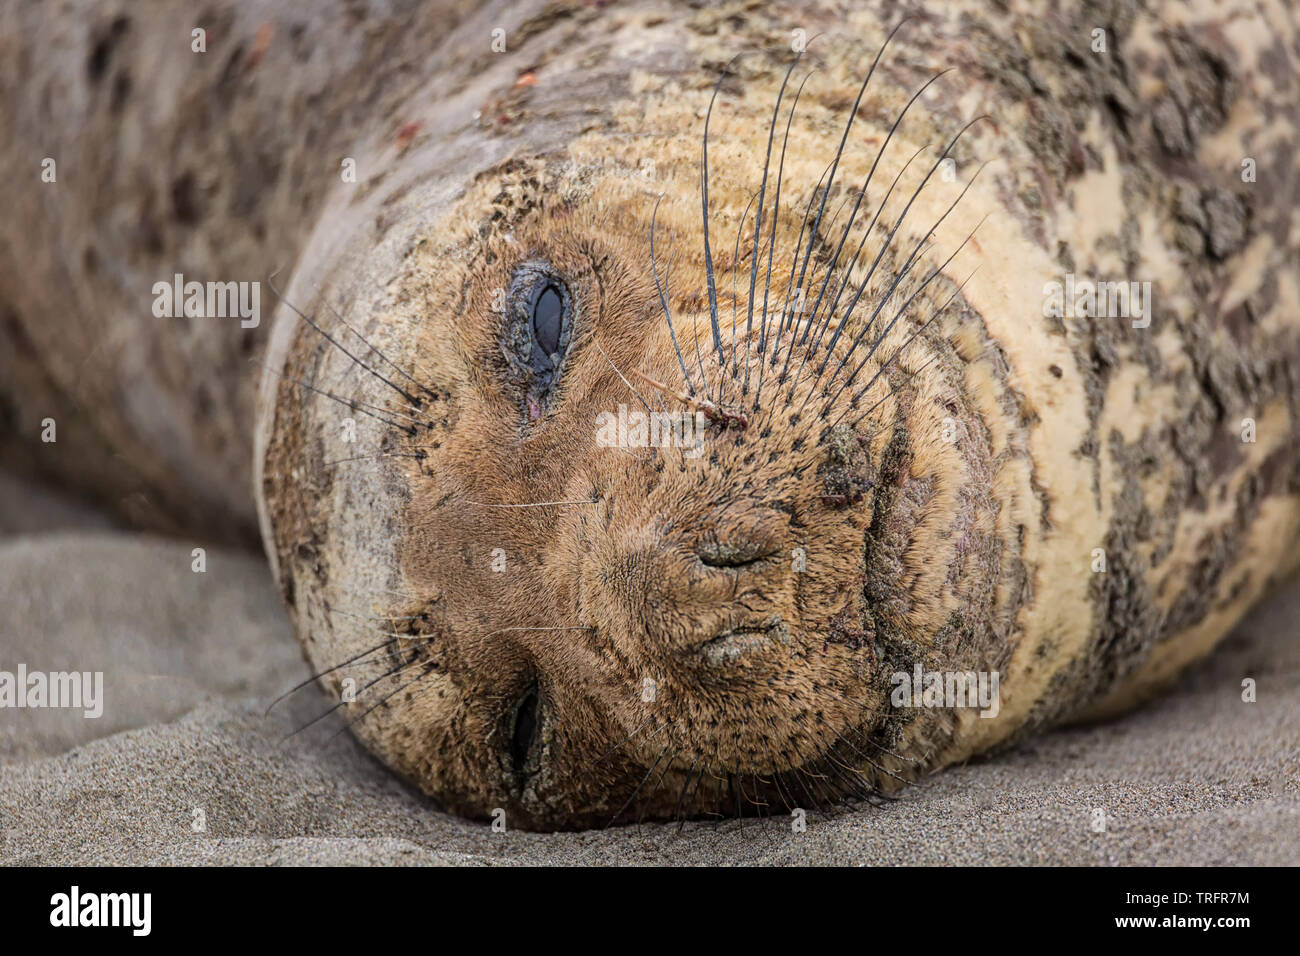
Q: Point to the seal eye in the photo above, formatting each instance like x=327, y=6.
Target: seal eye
x=524, y=732
x=548, y=315
x=537, y=334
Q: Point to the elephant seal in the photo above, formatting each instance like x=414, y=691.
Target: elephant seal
x=656, y=432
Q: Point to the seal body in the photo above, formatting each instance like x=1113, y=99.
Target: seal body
x=895, y=468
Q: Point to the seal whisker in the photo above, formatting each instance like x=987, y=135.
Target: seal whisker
x=735, y=266
x=401, y=371
x=704, y=206
x=862, y=193
x=401, y=594
x=801, y=777
x=352, y=404
x=419, y=456
x=930, y=361
x=907, y=303
x=335, y=342
x=677, y=812
x=877, y=766
x=847, y=275
x=771, y=242
x=902, y=273
x=884, y=334
x=712, y=410
x=663, y=299
x=363, y=617
x=794, y=322
x=890, y=361
x=861, y=735
x=627, y=738
x=839, y=152
x=341, y=703
x=794, y=261
x=662, y=774
x=630, y=387
x=352, y=723
x=319, y=674
x=648, y=773
x=758, y=217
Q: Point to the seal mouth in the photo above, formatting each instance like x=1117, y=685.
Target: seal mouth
x=744, y=640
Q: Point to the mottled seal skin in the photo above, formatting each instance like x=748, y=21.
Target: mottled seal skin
x=578, y=634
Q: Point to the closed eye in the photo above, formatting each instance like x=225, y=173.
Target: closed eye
x=523, y=734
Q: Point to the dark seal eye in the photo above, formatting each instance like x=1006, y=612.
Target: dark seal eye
x=523, y=735
x=548, y=320
x=537, y=334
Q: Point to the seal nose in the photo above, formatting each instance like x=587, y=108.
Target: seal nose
x=743, y=536
x=736, y=552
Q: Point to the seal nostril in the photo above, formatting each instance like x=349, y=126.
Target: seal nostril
x=525, y=729
x=719, y=554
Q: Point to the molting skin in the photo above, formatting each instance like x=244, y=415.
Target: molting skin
x=900, y=467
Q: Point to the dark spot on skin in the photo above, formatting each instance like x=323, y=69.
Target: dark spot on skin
x=1055, y=370
x=186, y=206
x=121, y=91
x=102, y=50
x=150, y=235
x=231, y=70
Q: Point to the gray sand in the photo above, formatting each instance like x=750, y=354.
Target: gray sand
x=192, y=660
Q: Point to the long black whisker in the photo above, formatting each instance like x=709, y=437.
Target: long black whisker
x=317, y=719
x=663, y=300
x=704, y=206
x=319, y=674
x=735, y=266
x=907, y=267
x=794, y=262
x=339, y=461
x=901, y=273
x=629, y=800
x=352, y=404
x=839, y=152
x=862, y=192
x=662, y=774
x=629, y=737
x=403, y=372
x=681, y=798
x=758, y=219
x=847, y=275
x=335, y=342
x=894, y=391
x=771, y=242
x=869, y=760
x=421, y=676
x=912, y=338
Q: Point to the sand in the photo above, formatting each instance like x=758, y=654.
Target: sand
x=192, y=660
